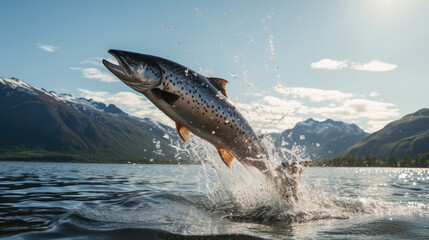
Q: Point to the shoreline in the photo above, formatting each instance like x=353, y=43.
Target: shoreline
x=188, y=163
x=104, y=162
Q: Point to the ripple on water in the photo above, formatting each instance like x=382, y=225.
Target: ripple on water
x=106, y=200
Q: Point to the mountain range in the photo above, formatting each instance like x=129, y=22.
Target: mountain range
x=320, y=140
x=36, y=124
x=408, y=136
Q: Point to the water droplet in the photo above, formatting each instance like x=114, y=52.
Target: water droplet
x=213, y=132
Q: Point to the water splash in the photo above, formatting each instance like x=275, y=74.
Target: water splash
x=245, y=194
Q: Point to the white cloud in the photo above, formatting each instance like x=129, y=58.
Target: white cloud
x=95, y=73
x=374, y=66
x=359, y=108
x=48, y=48
x=376, y=125
x=337, y=105
x=97, y=61
x=314, y=94
x=276, y=115
x=374, y=94
x=272, y=114
x=92, y=62
x=134, y=104
x=97, y=96
x=329, y=64
x=128, y=100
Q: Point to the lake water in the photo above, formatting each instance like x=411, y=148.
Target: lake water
x=133, y=201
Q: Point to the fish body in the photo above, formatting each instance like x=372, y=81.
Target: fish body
x=196, y=103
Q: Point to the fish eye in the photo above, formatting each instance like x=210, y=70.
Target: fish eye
x=131, y=61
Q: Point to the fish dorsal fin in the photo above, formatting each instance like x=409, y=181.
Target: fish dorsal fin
x=183, y=132
x=168, y=97
x=225, y=155
x=219, y=83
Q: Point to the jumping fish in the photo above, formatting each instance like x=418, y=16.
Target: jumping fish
x=197, y=104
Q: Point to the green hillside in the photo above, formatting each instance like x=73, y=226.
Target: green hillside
x=408, y=136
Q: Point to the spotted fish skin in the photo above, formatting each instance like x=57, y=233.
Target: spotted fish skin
x=193, y=101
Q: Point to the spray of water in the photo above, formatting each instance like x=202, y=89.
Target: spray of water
x=245, y=193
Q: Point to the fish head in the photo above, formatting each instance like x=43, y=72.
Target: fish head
x=139, y=71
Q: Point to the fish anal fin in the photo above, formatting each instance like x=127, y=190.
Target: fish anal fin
x=225, y=155
x=168, y=97
x=220, y=84
x=183, y=132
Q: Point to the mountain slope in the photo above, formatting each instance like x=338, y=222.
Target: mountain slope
x=321, y=140
x=407, y=136
x=36, y=124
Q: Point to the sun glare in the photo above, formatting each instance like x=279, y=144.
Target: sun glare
x=390, y=8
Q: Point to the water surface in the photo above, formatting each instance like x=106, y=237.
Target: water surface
x=133, y=201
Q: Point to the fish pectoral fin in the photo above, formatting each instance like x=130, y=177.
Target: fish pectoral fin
x=220, y=84
x=225, y=155
x=168, y=97
x=183, y=132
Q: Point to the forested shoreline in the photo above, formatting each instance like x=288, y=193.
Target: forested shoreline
x=420, y=160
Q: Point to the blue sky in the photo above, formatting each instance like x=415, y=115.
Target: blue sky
x=362, y=62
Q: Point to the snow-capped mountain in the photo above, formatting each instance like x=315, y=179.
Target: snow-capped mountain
x=35, y=123
x=321, y=128
x=19, y=88
x=320, y=140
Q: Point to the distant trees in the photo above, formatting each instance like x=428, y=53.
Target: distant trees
x=392, y=162
x=420, y=160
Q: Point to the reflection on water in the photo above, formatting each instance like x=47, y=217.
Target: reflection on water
x=125, y=201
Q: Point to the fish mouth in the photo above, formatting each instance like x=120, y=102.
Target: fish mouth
x=121, y=70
